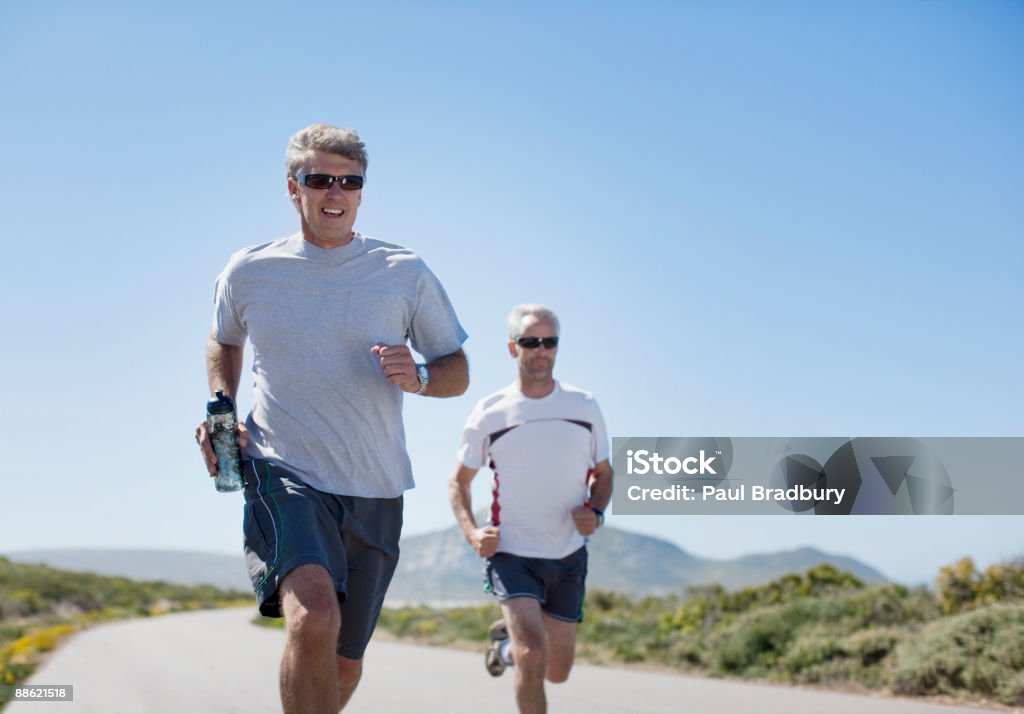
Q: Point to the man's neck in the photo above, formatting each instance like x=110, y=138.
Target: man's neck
x=319, y=243
x=536, y=389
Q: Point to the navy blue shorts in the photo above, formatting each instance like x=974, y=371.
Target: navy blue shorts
x=288, y=523
x=558, y=583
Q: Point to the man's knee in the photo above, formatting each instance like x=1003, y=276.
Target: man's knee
x=529, y=656
x=349, y=672
x=557, y=673
x=313, y=621
x=561, y=643
x=310, y=605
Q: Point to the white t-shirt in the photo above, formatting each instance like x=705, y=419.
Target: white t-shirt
x=541, y=451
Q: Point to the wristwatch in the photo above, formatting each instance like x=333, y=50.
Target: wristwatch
x=424, y=376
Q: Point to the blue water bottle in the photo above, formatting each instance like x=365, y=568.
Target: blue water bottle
x=223, y=425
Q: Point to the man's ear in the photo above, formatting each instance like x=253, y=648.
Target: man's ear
x=512, y=349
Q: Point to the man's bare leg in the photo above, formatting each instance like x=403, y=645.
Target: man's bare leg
x=560, y=649
x=349, y=672
x=525, y=623
x=309, y=676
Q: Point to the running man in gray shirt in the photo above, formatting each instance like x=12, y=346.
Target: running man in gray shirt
x=328, y=312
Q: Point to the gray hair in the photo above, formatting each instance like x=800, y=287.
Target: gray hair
x=324, y=137
x=515, y=318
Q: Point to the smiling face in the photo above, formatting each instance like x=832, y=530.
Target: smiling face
x=327, y=214
x=537, y=365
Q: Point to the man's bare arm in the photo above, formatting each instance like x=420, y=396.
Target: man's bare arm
x=449, y=375
x=601, y=486
x=484, y=540
x=223, y=372
x=600, y=496
x=223, y=366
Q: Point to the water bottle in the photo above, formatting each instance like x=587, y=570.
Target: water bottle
x=223, y=425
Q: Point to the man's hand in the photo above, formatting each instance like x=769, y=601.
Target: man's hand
x=398, y=366
x=206, y=446
x=485, y=541
x=585, y=519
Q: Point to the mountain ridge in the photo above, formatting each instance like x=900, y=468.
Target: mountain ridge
x=440, y=567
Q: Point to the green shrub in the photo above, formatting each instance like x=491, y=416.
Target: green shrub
x=819, y=655
x=810, y=649
x=756, y=641
x=870, y=647
x=961, y=587
x=439, y=626
x=844, y=637
x=981, y=652
x=1011, y=690
x=687, y=651
x=711, y=606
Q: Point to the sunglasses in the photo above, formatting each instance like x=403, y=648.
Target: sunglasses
x=324, y=181
x=532, y=343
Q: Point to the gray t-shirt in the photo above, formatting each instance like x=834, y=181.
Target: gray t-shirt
x=322, y=407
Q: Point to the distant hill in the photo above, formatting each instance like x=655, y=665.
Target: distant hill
x=441, y=567
x=171, y=566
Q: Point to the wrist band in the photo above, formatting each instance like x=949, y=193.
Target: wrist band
x=600, y=516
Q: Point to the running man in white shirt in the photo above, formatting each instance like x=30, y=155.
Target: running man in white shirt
x=547, y=446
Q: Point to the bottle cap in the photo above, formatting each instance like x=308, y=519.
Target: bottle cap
x=220, y=404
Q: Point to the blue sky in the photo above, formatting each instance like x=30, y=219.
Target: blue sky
x=799, y=219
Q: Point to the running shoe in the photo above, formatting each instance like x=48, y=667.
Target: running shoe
x=497, y=633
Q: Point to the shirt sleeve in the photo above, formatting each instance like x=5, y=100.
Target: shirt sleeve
x=435, y=330
x=228, y=326
x=601, y=448
x=472, y=451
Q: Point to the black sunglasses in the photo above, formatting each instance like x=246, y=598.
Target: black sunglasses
x=532, y=343
x=348, y=183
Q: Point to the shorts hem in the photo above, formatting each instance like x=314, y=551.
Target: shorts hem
x=510, y=596
x=351, y=653
x=574, y=620
x=267, y=596
x=554, y=615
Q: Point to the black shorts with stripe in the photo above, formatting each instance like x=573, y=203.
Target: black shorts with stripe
x=288, y=523
x=558, y=583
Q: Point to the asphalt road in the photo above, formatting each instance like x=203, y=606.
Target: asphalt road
x=213, y=662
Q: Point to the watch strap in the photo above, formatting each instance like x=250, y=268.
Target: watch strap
x=424, y=376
